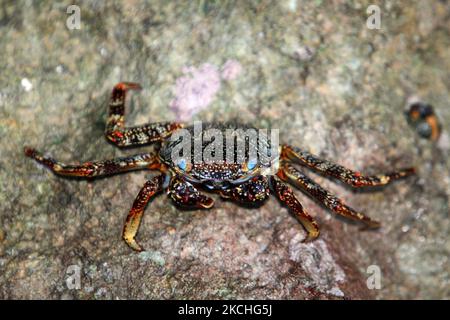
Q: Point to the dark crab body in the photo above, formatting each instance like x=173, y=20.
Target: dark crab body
x=236, y=174
x=224, y=171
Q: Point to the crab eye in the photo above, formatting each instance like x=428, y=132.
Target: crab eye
x=251, y=164
x=182, y=164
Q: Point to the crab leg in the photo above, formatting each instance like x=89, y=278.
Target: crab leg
x=289, y=173
x=252, y=192
x=184, y=194
x=97, y=168
x=123, y=136
x=348, y=176
x=148, y=191
x=285, y=194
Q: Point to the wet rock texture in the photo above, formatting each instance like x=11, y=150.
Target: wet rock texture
x=310, y=68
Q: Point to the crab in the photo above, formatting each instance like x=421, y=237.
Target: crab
x=187, y=184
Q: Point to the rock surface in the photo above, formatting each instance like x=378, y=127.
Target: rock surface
x=310, y=68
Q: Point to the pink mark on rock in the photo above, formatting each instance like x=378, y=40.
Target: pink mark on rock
x=231, y=69
x=197, y=88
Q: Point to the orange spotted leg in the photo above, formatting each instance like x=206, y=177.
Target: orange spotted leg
x=285, y=194
x=96, y=168
x=343, y=174
x=122, y=136
x=184, y=194
x=289, y=173
x=131, y=227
